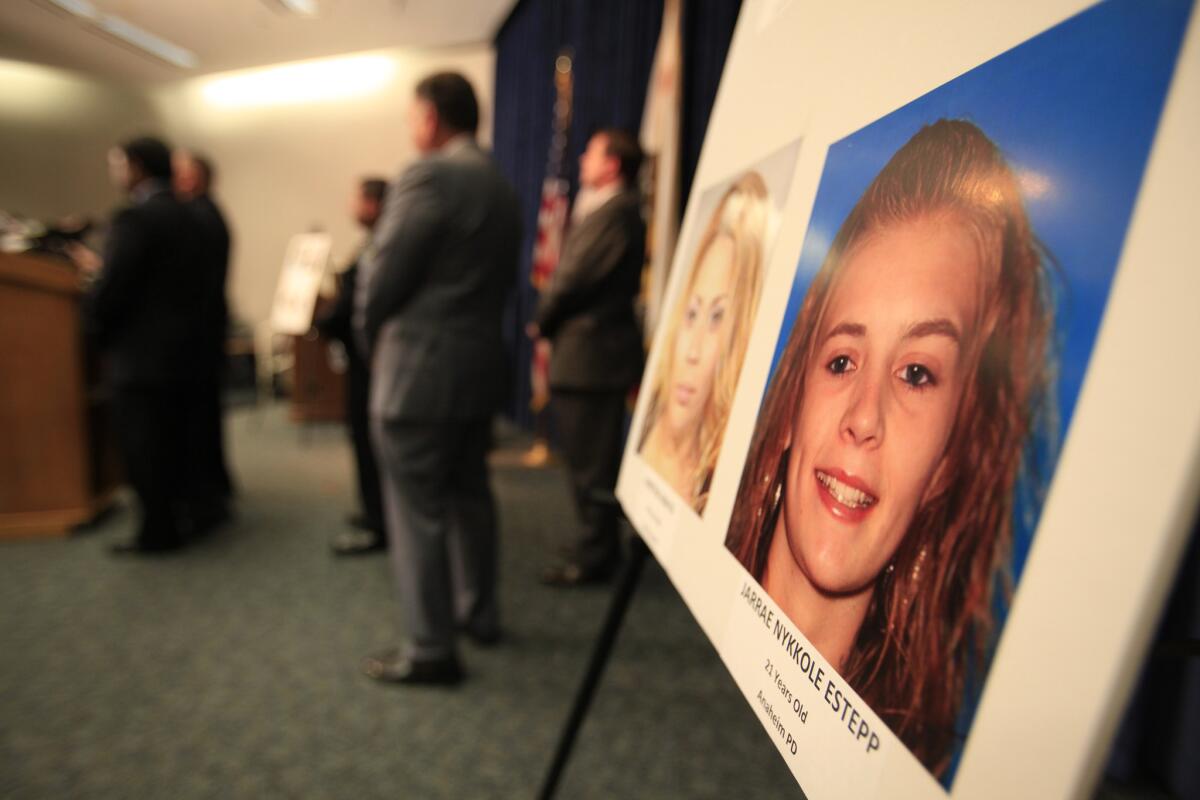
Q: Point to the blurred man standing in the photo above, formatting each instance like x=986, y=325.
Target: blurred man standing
x=596, y=355
x=335, y=323
x=210, y=485
x=143, y=314
x=429, y=304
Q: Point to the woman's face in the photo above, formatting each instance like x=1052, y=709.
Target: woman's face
x=880, y=397
x=701, y=340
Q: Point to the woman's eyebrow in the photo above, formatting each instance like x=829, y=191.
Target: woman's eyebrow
x=847, y=329
x=934, y=327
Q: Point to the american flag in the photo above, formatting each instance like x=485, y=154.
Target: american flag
x=551, y=225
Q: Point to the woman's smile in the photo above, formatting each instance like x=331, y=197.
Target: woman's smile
x=847, y=498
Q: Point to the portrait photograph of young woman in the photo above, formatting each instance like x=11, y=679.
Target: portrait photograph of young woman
x=953, y=279
x=707, y=328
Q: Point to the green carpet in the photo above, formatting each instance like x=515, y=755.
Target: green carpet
x=231, y=670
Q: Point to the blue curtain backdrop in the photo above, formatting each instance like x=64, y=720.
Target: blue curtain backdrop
x=613, y=46
x=707, y=29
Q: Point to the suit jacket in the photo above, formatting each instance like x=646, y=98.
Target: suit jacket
x=433, y=285
x=587, y=308
x=336, y=322
x=145, y=309
x=216, y=245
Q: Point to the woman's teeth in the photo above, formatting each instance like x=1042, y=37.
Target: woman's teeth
x=846, y=495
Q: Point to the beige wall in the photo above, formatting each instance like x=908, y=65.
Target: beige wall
x=285, y=168
x=55, y=128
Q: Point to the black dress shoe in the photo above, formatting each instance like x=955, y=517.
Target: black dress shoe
x=390, y=667
x=204, y=519
x=362, y=522
x=569, y=575
x=136, y=547
x=484, y=637
x=357, y=543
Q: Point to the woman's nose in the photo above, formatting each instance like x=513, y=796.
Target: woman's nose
x=863, y=421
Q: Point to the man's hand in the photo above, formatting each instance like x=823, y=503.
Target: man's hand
x=85, y=258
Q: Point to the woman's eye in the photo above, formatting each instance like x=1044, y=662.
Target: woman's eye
x=840, y=365
x=916, y=376
x=715, y=317
x=690, y=313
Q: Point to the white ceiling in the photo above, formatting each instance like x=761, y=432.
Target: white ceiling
x=233, y=34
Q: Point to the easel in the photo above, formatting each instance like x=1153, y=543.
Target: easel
x=627, y=582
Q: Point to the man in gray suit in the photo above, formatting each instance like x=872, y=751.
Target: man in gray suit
x=428, y=306
x=596, y=357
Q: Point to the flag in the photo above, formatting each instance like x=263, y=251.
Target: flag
x=551, y=224
x=660, y=141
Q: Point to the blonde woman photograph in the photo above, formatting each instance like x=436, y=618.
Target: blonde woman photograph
x=709, y=328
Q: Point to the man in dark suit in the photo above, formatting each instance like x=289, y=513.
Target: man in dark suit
x=336, y=323
x=210, y=484
x=143, y=314
x=431, y=294
x=596, y=353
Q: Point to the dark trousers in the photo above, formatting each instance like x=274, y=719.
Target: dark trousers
x=359, y=423
x=152, y=435
x=441, y=527
x=590, y=429
x=209, y=482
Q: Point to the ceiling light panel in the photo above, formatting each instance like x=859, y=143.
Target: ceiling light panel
x=303, y=8
x=80, y=8
x=144, y=40
x=124, y=30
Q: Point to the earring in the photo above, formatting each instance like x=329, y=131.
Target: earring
x=917, y=564
x=879, y=602
x=889, y=576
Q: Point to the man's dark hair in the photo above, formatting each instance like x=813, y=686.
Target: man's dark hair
x=373, y=189
x=622, y=145
x=152, y=156
x=452, y=97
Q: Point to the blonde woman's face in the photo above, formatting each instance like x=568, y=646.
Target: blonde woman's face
x=702, y=339
x=880, y=398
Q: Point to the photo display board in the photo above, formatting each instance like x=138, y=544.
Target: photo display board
x=300, y=282
x=888, y=433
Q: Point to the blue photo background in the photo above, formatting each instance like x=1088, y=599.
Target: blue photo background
x=1074, y=110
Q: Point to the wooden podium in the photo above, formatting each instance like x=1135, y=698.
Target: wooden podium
x=318, y=389
x=57, y=465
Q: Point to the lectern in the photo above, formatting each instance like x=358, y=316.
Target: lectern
x=57, y=465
